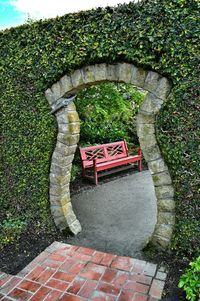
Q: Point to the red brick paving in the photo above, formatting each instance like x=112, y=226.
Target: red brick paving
x=71, y=273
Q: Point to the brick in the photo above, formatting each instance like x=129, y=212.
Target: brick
x=51, y=264
x=9, y=285
x=57, y=257
x=76, y=268
x=137, y=287
x=41, y=294
x=82, y=257
x=125, y=296
x=140, y=297
x=29, y=286
x=4, y=278
x=87, y=289
x=97, y=257
x=100, y=296
x=53, y=296
x=76, y=286
x=95, y=267
x=156, y=288
x=57, y=284
x=35, y=273
x=108, y=288
x=150, y=269
x=19, y=294
x=64, y=276
x=109, y=275
x=122, y=263
x=92, y=275
x=86, y=251
x=120, y=279
x=107, y=259
x=138, y=266
x=67, y=264
x=44, y=276
x=67, y=297
x=141, y=279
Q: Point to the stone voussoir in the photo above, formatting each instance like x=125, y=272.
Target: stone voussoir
x=151, y=104
x=75, y=227
x=163, y=88
x=164, y=230
x=167, y=218
x=100, y=72
x=68, y=140
x=164, y=192
x=150, y=152
x=56, y=89
x=166, y=205
x=144, y=130
x=77, y=78
x=157, y=166
x=65, y=84
x=88, y=73
x=161, y=178
x=59, y=190
x=151, y=81
x=138, y=76
x=125, y=72
x=73, y=117
x=143, y=118
x=60, y=180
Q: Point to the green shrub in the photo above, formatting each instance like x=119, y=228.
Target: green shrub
x=190, y=281
x=10, y=230
x=155, y=35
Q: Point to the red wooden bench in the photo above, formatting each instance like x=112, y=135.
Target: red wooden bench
x=107, y=158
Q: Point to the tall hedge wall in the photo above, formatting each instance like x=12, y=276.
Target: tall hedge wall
x=160, y=35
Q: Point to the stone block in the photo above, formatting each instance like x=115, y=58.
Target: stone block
x=162, y=178
x=74, y=128
x=59, y=169
x=75, y=227
x=157, y=166
x=164, y=192
x=71, y=217
x=145, y=118
x=166, y=204
x=68, y=139
x=151, y=104
x=145, y=130
x=112, y=72
x=60, y=201
x=88, y=74
x=77, y=78
x=73, y=117
x=160, y=241
x=49, y=96
x=100, y=72
x=125, y=72
x=60, y=222
x=60, y=180
x=151, y=81
x=63, y=128
x=150, y=151
x=138, y=76
x=65, y=84
x=65, y=150
x=164, y=230
x=71, y=107
x=62, y=160
x=56, y=89
x=59, y=190
x=167, y=218
x=163, y=88
x=62, y=118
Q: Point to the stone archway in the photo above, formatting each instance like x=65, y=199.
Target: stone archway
x=158, y=88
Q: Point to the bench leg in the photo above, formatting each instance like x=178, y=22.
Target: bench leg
x=140, y=165
x=95, y=177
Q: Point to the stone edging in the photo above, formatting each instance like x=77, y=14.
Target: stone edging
x=158, y=88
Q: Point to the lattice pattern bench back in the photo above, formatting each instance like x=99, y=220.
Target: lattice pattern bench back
x=103, y=153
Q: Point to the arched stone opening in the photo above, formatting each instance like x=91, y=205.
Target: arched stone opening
x=157, y=88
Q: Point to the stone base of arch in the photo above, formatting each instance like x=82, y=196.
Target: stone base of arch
x=158, y=88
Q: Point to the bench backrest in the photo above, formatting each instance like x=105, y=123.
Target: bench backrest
x=103, y=152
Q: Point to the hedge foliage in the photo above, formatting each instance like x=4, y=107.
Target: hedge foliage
x=160, y=35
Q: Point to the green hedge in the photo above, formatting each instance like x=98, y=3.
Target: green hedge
x=160, y=35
